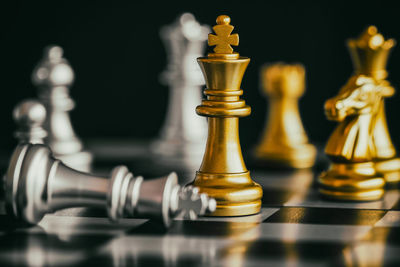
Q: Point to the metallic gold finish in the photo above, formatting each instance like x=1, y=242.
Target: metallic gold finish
x=284, y=141
x=363, y=156
x=351, y=146
x=224, y=39
x=370, y=53
x=223, y=174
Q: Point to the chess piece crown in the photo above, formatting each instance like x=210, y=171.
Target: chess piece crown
x=370, y=53
x=30, y=115
x=36, y=183
x=283, y=79
x=53, y=69
x=226, y=101
x=184, y=41
x=223, y=39
x=223, y=174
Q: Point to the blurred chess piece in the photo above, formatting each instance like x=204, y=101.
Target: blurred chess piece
x=360, y=143
x=53, y=76
x=30, y=115
x=223, y=174
x=284, y=141
x=36, y=183
x=351, y=148
x=370, y=53
x=182, y=138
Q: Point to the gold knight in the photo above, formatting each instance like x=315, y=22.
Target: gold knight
x=362, y=154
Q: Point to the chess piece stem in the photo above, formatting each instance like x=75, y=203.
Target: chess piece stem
x=284, y=142
x=223, y=174
x=36, y=183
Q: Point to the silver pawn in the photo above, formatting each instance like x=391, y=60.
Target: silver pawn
x=54, y=76
x=30, y=115
x=183, y=136
x=36, y=183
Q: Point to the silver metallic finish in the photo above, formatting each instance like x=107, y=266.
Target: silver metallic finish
x=184, y=134
x=36, y=183
x=54, y=76
x=29, y=116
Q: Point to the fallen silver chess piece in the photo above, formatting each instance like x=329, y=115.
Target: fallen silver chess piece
x=36, y=183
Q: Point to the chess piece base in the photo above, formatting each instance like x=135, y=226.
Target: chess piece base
x=236, y=194
x=352, y=182
x=299, y=157
x=390, y=169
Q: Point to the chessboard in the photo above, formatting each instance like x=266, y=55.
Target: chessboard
x=296, y=227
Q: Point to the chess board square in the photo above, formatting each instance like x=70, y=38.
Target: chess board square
x=371, y=254
x=276, y=197
x=312, y=198
x=71, y=226
x=38, y=248
x=259, y=217
x=142, y=260
x=295, y=181
x=292, y=232
x=325, y=216
x=277, y=253
x=174, y=250
x=83, y=212
x=384, y=235
x=396, y=206
x=391, y=219
x=212, y=228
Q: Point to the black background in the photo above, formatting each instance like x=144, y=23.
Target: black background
x=117, y=55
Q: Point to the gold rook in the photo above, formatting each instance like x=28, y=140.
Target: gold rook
x=284, y=142
x=223, y=173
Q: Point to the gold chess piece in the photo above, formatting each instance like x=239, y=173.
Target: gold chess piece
x=370, y=53
x=284, y=141
x=351, y=147
x=223, y=173
x=362, y=154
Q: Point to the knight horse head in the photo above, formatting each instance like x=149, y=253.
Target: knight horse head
x=361, y=95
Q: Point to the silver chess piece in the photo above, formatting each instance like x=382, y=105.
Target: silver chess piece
x=183, y=136
x=54, y=76
x=36, y=183
x=30, y=115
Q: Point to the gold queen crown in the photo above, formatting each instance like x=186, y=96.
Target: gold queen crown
x=370, y=53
